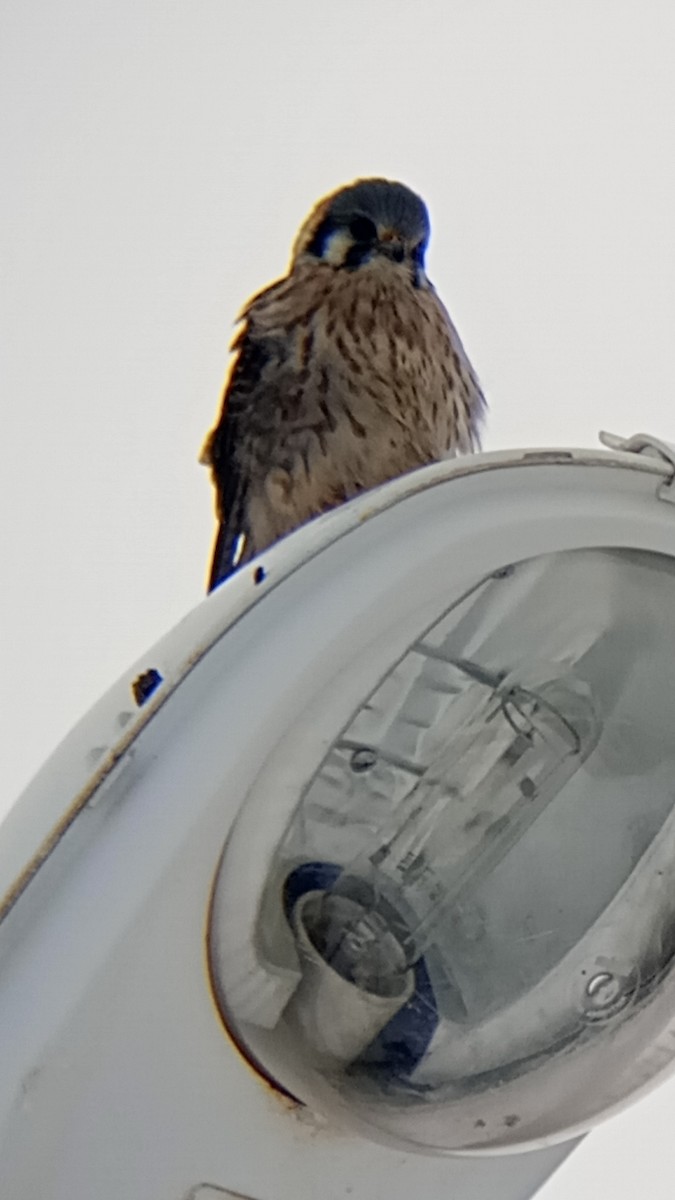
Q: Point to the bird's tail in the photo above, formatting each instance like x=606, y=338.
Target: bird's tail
x=228, y=555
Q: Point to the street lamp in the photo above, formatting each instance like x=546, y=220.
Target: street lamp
x=398, y=798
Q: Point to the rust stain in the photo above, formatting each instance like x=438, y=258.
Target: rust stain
x=105, y=767
x=51, y=841
x=145, y=685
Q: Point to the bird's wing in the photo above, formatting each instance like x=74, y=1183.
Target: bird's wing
x=225, y=452
x=261, y=385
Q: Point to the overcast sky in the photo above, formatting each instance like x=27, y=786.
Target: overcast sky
x=158, y=156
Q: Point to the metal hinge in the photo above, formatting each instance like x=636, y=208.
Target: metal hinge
x=644, y=443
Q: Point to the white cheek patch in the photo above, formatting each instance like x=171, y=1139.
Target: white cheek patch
x=336, y=248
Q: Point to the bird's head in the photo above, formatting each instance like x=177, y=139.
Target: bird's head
x=370, y=219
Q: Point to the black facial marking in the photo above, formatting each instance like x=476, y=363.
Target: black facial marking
x=357, y=254
x=363, y=229
x=418, y=253
x=323, y=233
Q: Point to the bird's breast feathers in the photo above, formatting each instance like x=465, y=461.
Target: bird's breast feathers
x=370, y=343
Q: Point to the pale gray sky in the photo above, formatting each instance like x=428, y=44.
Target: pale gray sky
x=158, y=156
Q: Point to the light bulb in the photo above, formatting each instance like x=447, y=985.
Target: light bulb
x=507, y=751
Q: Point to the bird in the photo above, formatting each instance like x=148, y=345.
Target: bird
x=347, y=372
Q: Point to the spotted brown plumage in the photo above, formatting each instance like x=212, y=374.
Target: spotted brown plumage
x=347, y=373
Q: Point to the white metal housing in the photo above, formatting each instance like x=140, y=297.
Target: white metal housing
x=118, y=1077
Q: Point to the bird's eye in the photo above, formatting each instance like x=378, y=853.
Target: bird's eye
x=362, y=229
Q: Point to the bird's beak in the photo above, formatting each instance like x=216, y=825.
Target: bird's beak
x=392, y=245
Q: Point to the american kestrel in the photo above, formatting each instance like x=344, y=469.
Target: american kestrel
x=347, y=373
